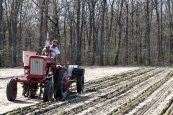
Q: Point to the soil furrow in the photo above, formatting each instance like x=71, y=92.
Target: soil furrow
x=122, y=80
x=112, y=81
x=106, y=78
x=98, y=82
x=111, y=104
x=100, y=95
x=168, y=110
x=149, y=106
x=132, y=103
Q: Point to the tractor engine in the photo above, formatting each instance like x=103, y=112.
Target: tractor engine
x=40, y=67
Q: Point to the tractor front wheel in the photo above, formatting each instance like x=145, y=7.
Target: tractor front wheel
x=48, y=91
x=80, y=83
x=11, y=90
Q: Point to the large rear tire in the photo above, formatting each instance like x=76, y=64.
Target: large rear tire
x=80, y=83
x=11, y=90
x=48, y=91
x=62, y=84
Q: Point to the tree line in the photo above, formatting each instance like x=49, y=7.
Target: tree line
x=90, y=32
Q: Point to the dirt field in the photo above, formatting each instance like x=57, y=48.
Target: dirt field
x=108, y=90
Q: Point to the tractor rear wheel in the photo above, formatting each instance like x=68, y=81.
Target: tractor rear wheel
x=62, y=84
x=48, y=91
x=11, y=90
x=56, y=85
x=80, y=83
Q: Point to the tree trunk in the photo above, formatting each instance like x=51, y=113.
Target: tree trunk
x=14, y=14
x=46, y=17
x=109, y=36
x=94, y=38
x=117, y=52
x=170, y=32
x=78, y=45
x=91, y=8
x=1, y=31
x=20, y=37
x=102, y=32
x=127, y=33
x=158, y=33
x=161, y=30
x=148, y=32
x=81, y=29
x=41, y=24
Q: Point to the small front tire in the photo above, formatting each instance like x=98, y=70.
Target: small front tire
x=80, y=83
x=11, y=90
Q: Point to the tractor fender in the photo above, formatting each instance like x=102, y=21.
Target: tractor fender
x=70, y=69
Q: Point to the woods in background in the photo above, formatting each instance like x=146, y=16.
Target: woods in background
x=90, y=32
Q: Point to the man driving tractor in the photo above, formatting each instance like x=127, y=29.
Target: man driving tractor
x=55, y=53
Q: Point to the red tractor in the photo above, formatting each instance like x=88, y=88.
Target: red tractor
x=42, y=72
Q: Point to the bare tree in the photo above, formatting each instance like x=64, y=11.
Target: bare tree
x=159, y=44
x=12, y=19
x=119, y=34
x=78, y=45
x=1, y=31
x=104, y=2
x=92, y=31
x=127, y=31
x=41, y=23
x=110, y=22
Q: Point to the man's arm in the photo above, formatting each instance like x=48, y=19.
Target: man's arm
x=44, y=50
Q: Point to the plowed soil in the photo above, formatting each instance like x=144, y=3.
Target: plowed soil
x=108, y=90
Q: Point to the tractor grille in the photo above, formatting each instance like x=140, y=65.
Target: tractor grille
x=36, y=66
